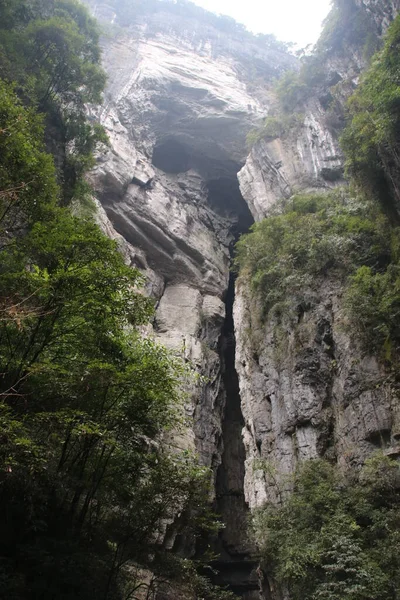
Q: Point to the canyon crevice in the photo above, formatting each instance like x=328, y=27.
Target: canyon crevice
x=176, y=188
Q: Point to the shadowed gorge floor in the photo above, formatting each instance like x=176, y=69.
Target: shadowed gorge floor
x=235, y=565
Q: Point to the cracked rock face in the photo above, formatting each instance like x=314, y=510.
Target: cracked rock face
x=312, y=393
x=177, y=111
x=180, y=101
x=308, y=159
x=382, y=11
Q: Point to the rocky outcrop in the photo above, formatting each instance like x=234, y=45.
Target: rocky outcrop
x=177, y=121
x=180, y=101
x=308, y=158
x=382, y=11
x=177, y=111
x=308, y=390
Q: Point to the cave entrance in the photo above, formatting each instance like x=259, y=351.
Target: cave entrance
x=225, y=198
x=171, y=156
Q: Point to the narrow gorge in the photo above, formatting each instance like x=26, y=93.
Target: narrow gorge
x=199, y=300
x=178, y=186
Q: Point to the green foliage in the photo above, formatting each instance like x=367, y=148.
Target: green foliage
x=286, y=256
x=274, y=127
x=26, y=171
x=86, y=482
x=346, y=26
x=373, y=305
x=291, y=90
x=50, y=50
x=370, y=139
x=335, y=539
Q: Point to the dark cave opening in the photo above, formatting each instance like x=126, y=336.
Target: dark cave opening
x=225, y=198
x=171, y=156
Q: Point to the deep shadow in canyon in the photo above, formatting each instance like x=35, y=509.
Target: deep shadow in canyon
x=235, y=566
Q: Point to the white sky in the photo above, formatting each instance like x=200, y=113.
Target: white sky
x=296, y=21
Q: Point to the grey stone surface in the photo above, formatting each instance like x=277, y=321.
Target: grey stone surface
x=177, y=111
x=180, y=100
x=303, y=160
x=312, y=393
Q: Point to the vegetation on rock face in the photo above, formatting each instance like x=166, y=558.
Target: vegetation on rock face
x=87, y=485
x=347, y=29
x=274, y=127
x=335, y=538
x=344, y=234
x=286, y=257
x=371, y=139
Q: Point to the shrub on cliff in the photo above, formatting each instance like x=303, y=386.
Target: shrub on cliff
x=285, y=256
x=371, y=138
x=334, y=538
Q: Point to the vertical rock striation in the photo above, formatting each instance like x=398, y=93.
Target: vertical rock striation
x=310, y=391
x=178, y=107
x=175, y=188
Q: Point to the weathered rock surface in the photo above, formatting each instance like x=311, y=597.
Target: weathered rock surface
x=382, y=11
x=177, y=110
x=309, y=158
x=307, y=392
x=180, y=100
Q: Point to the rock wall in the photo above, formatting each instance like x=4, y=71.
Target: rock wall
x=382, y=11
x=307, y=391
x=180, y=100
x=308, y=158
x=177, y=111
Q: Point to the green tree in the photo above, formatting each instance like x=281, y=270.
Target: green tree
x=86, y=482
x=27, y=175
x=370, y=139
x=335, y=539
x=50, y=50
x=285, y=256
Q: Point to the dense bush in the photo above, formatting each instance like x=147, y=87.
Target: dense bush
x=335, y=538
x=371, y=139
x=285, y=256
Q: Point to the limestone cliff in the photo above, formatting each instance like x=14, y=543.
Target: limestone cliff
x=180, y=100
x=310, y=391
x=176, y=188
